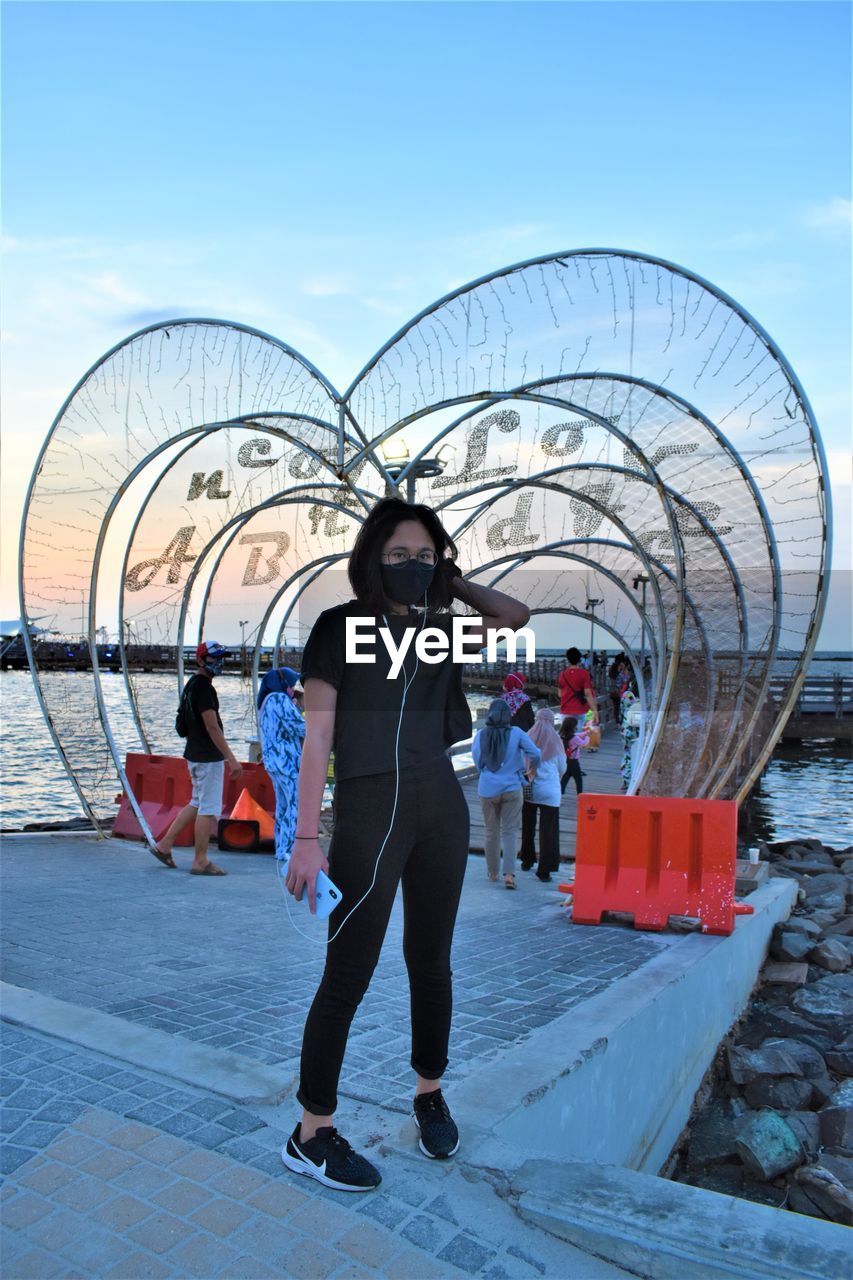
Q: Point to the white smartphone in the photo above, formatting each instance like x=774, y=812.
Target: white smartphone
x=327, y=896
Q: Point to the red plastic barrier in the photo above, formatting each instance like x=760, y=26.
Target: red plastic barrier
x=256, y=781
x=653, y=857
x=161, y=785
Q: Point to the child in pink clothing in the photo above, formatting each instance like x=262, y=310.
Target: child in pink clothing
x=573, y=742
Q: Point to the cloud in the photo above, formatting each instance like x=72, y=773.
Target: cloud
x=831, y=215
x=325, y=287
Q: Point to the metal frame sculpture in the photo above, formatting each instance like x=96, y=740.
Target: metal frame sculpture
x=608, y=413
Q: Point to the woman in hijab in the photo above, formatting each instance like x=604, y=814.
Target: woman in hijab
x=499, y=752
x=282, y=730
x=520, y=706
x=544, y=798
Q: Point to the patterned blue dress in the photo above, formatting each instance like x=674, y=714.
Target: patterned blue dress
x=282, y=730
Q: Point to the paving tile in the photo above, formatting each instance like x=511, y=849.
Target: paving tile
x=144, y=1180
x=208, y=1108
x=121, y=1212
x=265, y=1239
x=212, y=1135
x=12, y=1158
x=222, y=1217
x=427, y=1233
x=25, y=1209
x=205, y=1256
x=54, y=1230
x=142, y=1266
x=35, y=1264
x=160, y=1232
x=278, y=1199
x=385, y=1209
x=95, y=1249
x=164, y=1149
x=237, y=1182
x=13, y=1118
x=310, y=1260
x=47, y=1178
x=410, y=1265
x=131, y=1136
x=182, y=1197
x=467, y=1254
x=201, y=1165
x=83, y=1194
x=75, y=1148
x=368, y=1245
x=97, y=1124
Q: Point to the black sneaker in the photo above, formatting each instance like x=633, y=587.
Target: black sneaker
x=439, y=1135
x=329, y=1158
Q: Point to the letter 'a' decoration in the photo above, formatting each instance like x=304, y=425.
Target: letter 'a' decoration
x=599, y=418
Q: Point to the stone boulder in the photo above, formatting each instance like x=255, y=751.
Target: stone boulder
x=797, y=924
x=842, y=927
x=822, y=1188
x=768, y=1146
x=836, y=1117
x=791, y=945
x=783, y=1022
x=713, y=1136
x=806, y=1126
x=783, y=1093
x=811, y=1065
x=831, y=954
x=841, y=1167
x=828, y=1003
x=840, y=1059
x=747, y=1065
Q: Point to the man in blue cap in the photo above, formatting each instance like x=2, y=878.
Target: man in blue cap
x=207, y=755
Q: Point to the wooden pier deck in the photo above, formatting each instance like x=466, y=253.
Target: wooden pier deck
x=601, y=770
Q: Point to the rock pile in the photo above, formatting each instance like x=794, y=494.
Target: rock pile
x=779, y=1128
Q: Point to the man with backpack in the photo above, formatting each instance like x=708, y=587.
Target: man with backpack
x=207, y=755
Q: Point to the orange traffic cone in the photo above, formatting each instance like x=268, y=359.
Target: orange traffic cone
x=248, y=809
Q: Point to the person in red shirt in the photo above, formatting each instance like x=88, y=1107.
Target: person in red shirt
x=577, y=695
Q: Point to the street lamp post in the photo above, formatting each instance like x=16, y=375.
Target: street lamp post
x=592, y=605
x=396, y=454
x=642, y=580
x=243, y=623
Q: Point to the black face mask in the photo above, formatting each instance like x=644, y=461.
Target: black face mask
x=407, y=583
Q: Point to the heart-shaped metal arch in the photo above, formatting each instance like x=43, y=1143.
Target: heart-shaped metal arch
x=552, y=319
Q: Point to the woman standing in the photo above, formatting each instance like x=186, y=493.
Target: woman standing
x=282, y=730
x=520, y=706
x=499, y=752
x=544, y=799
x=400, y=815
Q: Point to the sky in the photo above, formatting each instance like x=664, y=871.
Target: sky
x=324, y=171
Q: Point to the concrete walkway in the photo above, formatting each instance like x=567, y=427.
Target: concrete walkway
x=151, y=1034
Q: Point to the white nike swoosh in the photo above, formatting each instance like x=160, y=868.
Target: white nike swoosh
x=320, y=1168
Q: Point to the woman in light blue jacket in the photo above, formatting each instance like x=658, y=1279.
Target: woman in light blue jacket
x=282, y=729
x=504, y=755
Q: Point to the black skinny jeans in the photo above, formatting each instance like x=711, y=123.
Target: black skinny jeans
x=573, y=770
x=428, y=851
x=549, y=836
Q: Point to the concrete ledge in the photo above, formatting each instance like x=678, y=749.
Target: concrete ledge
x=214, y=1070
x=669, y=1230
x=614, y=1080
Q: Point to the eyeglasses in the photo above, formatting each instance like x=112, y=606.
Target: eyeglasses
x=400, y=556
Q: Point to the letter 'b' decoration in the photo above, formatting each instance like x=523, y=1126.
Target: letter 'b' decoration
x=591, y=420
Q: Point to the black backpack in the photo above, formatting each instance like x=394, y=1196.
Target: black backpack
x=184, y=716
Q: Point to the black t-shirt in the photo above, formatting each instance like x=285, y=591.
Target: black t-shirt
x=368, y=707
x=200, y=696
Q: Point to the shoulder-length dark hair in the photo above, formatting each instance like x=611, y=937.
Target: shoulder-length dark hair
x=364, y=563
